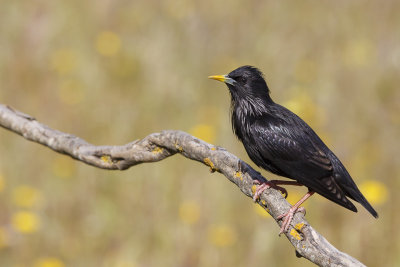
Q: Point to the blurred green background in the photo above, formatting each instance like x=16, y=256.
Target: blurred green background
x=114, y=71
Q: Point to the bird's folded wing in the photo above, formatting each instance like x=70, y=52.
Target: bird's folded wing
x=292, y=151
x=301, y=157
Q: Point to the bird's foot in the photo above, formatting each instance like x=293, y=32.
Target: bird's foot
x=289, y=217
x=265, y=185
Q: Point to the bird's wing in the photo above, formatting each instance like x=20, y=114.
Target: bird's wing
x=291, y=150
x=299, y=153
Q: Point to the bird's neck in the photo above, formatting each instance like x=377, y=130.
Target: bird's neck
x=250, y=106
x=247, y=110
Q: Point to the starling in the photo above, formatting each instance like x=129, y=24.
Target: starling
x=279, y=141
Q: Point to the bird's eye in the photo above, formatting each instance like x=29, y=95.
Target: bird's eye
x=243, y=79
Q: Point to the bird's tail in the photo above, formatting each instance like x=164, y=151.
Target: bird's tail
x=355, y=194
x=350, y=188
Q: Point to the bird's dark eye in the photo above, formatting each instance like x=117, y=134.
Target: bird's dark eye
x=242, y=79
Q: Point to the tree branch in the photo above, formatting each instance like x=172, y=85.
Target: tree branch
x=158, y=146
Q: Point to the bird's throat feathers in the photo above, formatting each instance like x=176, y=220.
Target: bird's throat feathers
x=249, y=106
x=246, y=109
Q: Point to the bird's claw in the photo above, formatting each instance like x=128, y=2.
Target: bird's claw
x=289, y=217
x=265, y=185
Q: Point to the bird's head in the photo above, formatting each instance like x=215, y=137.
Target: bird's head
x=245, y=82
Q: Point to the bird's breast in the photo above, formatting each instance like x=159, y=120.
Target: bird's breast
x=241, y=125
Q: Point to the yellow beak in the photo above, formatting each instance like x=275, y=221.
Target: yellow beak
x=222, y=78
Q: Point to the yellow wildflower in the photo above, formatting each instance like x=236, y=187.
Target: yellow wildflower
x=222, y=235
x=3, y=238
x=26, y=196
x=49, y=262
x=25, y=222
x=189, y=212
x=359, y=53
x=64, y=60
x=374, y=191
x=108, y=43
x=302, y=105
x=204, y=132
x=2, y=182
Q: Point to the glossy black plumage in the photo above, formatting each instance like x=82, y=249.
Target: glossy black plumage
x=279, y=141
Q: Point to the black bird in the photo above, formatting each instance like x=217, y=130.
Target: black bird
x=279, y=141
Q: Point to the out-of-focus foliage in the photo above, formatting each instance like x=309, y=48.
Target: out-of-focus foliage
x=114, y=71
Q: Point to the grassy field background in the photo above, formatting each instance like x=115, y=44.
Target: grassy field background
x=114, y=71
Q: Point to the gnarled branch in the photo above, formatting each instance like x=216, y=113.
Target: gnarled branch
x=158, y=146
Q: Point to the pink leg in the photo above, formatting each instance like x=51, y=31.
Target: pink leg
x=289, y=215
x=273, y=184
